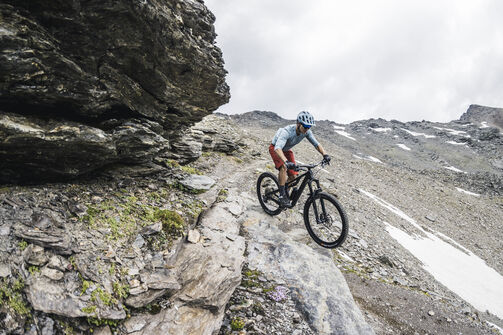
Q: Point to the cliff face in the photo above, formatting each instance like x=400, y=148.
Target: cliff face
x=489, y=115
x=88, y=83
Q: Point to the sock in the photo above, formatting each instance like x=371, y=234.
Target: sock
x=282, y=190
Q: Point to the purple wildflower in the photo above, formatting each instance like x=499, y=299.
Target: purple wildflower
x=278, y=294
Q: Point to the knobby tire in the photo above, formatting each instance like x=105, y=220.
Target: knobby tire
x=335, y=222
x=266, y=183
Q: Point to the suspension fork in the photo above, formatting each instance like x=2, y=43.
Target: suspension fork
x=315, y=207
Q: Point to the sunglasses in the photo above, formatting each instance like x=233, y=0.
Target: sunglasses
x=305, y=126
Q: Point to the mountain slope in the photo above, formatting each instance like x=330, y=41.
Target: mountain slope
x=447, y=195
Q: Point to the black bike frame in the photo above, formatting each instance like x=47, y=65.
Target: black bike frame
x=308, y=179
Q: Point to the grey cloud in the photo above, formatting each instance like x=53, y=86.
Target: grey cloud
x=397, y=60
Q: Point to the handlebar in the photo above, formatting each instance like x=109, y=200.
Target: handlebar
x=306, y=167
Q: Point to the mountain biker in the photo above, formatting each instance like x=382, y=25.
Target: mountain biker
x=282, y=155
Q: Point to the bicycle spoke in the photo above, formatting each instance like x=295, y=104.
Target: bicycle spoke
x=325, y=221
x=267, y=191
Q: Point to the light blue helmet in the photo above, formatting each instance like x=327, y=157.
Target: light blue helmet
x=305, y=118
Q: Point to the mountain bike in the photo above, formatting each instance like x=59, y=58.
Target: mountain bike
x=324, y=217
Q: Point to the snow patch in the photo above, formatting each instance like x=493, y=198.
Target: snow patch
x=368, y=158
x=467, y=192
x=453, y=131
x=459, y=270
x=452, y=168
x=381, y=130
x=456, y=143
x=339, y=127
x=418, y=134
x=343, y=133
x=345, y=256
x=483, y=125
x=373, y=159
x=403, y=146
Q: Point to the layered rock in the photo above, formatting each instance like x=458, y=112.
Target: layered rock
x=479, y=114
x=85, y=84
x=213, y=133
x=319, y=288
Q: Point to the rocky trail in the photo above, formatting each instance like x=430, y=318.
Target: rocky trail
x=188, y=250
x=391, y=286
x=281, y=268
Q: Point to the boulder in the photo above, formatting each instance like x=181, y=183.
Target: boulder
x=197, y=183
x=59, y=298
x=208, y=274
x=317, y=285
x=213, y=133
x=57, y=239
x=84, y=84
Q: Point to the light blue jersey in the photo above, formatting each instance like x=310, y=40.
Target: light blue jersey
x=286, y=138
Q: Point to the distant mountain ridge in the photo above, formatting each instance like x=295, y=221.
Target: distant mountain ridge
x=469, y=149
x=491, y=115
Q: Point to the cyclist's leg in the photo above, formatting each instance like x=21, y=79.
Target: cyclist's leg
x=282, y=176
x=278, y=163
x=291, y=157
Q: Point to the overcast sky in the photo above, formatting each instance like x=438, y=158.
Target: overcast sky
x=353, y=60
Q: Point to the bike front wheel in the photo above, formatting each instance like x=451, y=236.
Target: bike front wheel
x=268, y=193
x=326, y=220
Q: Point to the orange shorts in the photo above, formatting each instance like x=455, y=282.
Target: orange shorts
x=278, y=161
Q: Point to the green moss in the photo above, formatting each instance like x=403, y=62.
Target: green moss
x=89, y=309
x=172, y=222
x=103, y=296
x=237, y=324
x=72, y=262
x=66, y=328
x=252, y=274
x=22, y=244
x=102, y=322
x=179, y=186
x=190, y=170
x=11, y=296
x=85, y=286
x=238, y=160
x=172, y=163
x=121, y=290
x=268, y=289
x=32, y=269
x=222, y=194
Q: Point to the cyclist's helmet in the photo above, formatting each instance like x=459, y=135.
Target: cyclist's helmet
x=305, y=118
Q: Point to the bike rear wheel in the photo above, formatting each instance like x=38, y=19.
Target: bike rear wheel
x=268, y=193
x=326, y=220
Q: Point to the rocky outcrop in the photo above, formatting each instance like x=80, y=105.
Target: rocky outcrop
x=490, y=115
x=317, y=286
x=213, y=133
x=86, y=84
x=209, y=270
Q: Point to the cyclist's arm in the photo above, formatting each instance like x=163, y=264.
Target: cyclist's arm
x=281, y=155
x=321, y=150
x=280, y=143
x=312, y=139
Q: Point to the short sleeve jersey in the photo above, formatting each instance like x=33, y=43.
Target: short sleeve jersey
x=286, y=138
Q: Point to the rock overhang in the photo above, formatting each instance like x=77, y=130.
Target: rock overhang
x=92, y=62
